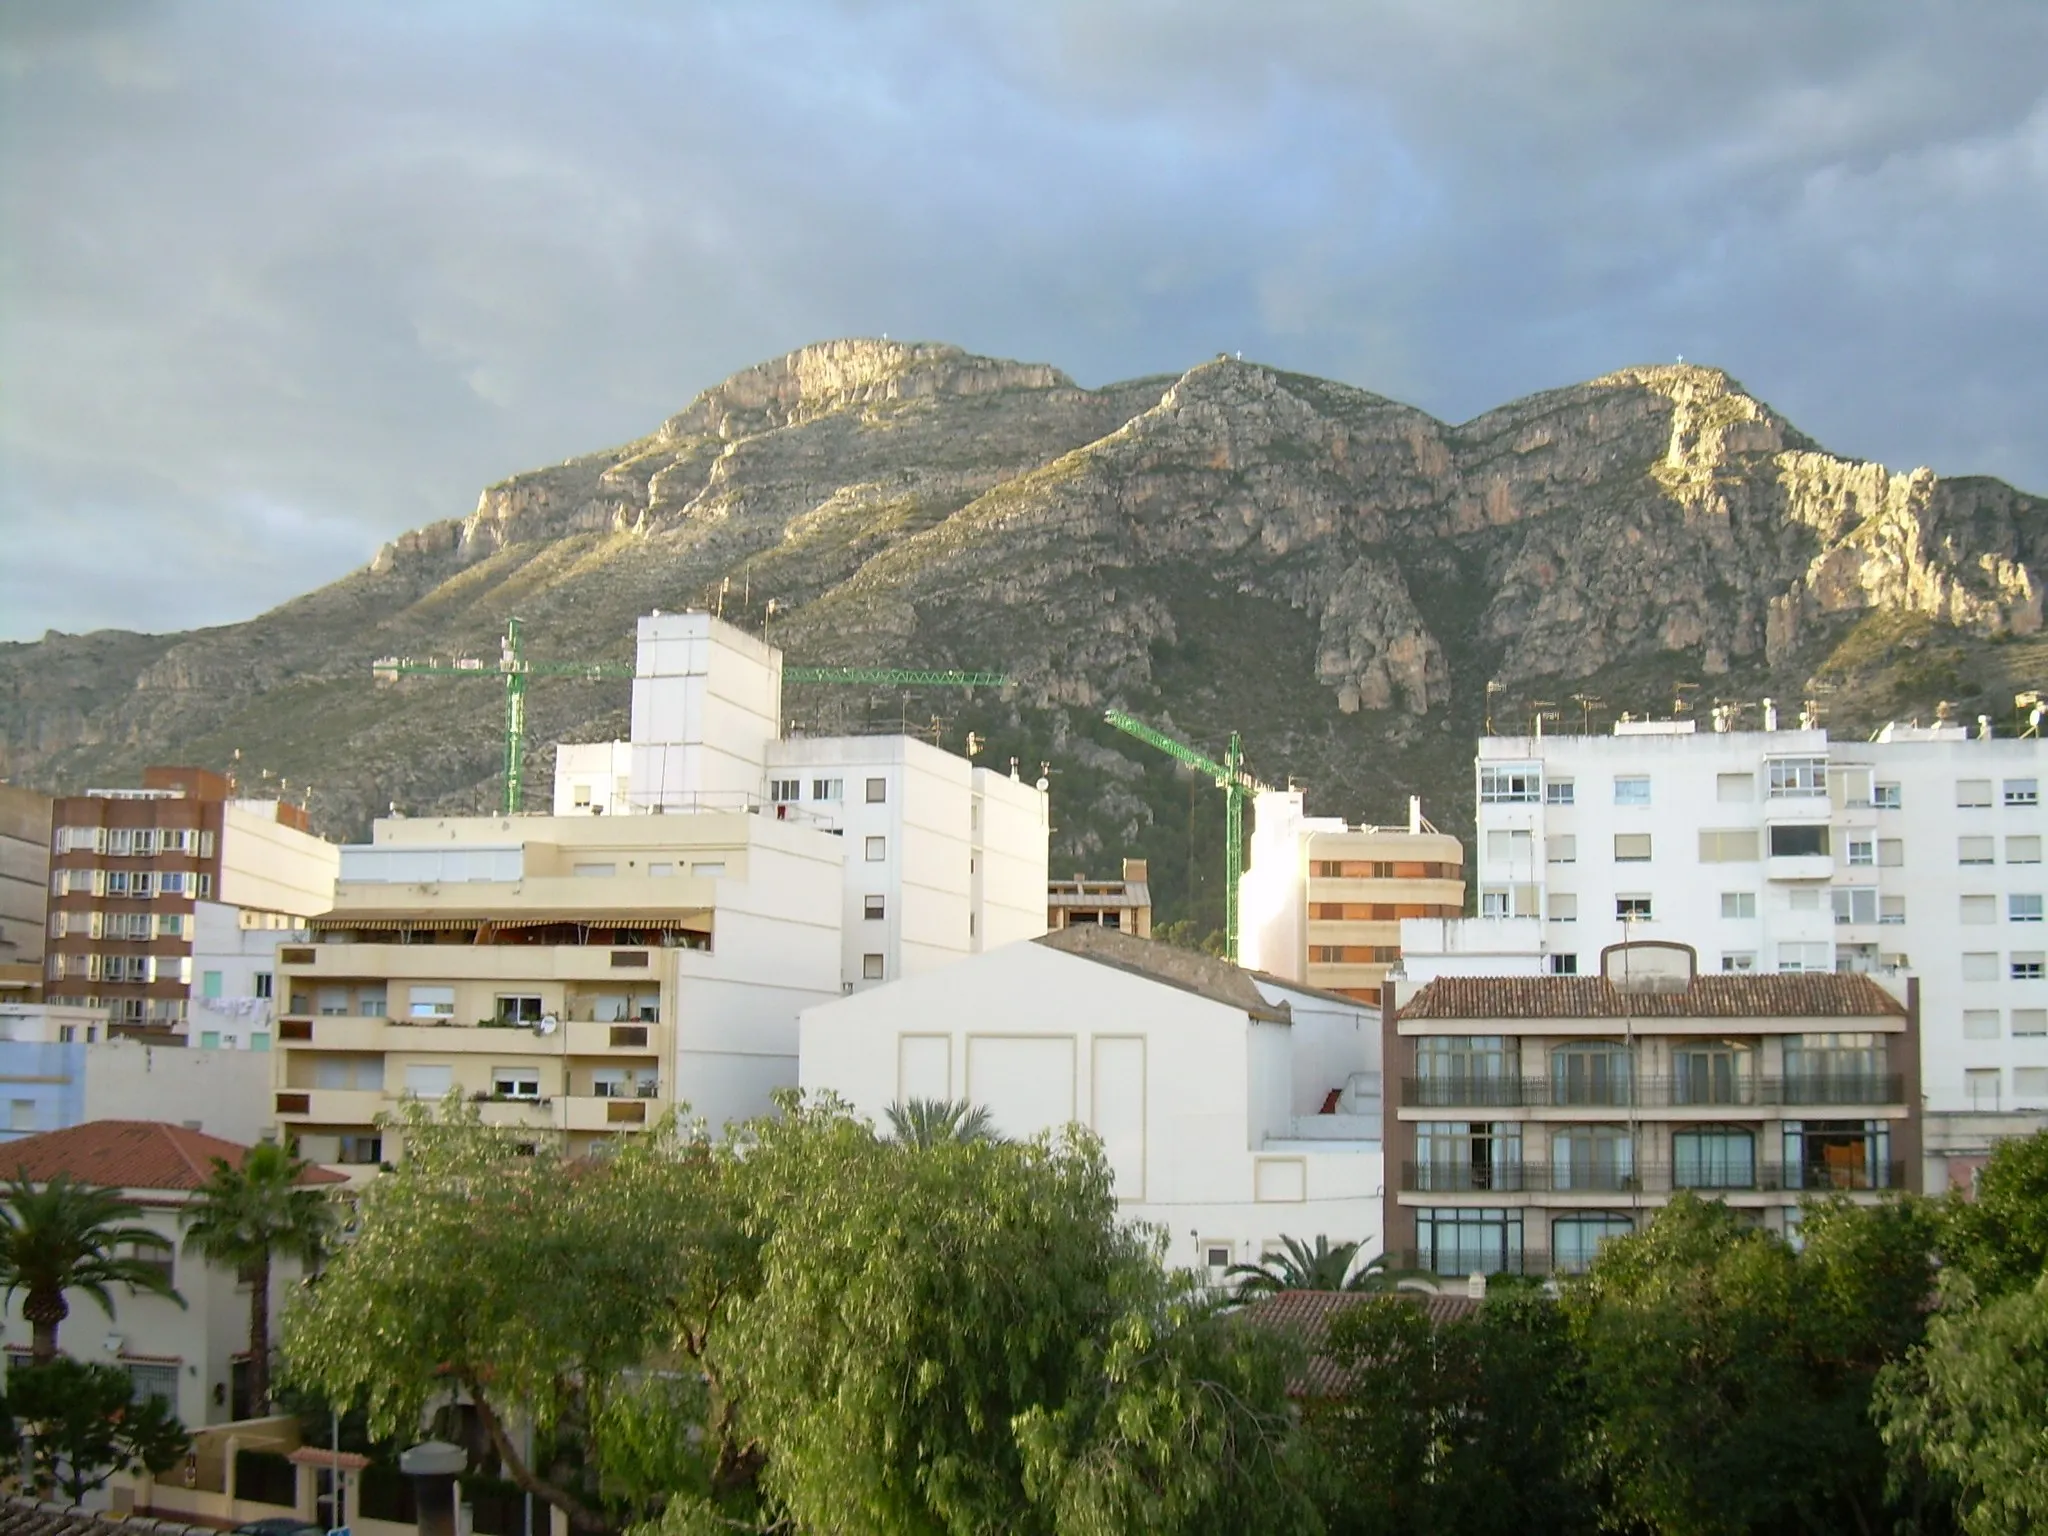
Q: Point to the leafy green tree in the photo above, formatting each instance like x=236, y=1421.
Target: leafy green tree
x=83, y=1426
x=927, y=1122
x=66, y=1236
x=245, y=1217
x=1972, y=1403
x=528, y=1283
x=1297, y=1267
x=1998, y=1233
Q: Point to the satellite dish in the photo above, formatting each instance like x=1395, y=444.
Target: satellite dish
x=548, y=1024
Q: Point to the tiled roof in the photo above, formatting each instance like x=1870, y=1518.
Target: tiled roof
x=1188, y=969
x=130, y=1154
x=1824, y=994
x=1305, y=1316
x=26, y=1517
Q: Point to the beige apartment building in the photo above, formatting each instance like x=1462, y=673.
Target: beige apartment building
x=1322, y=900
x=574, y=976
x=1532, y=1117
x=1124, y=904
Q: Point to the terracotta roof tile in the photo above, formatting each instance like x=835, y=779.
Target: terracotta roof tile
x=130, y=1154
x=1187, y=969
x=1305, y=1316
x=1825, y=994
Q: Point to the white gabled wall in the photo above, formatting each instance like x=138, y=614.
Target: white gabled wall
x=1194, y=1101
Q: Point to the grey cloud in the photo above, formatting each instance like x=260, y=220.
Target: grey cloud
x=278, y=282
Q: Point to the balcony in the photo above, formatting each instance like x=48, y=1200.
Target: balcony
x=579, y=1037
x=594, y=1112
x=519, y=1113
x=1815, y=1089
x=330, y=1106
x=1521, y=1178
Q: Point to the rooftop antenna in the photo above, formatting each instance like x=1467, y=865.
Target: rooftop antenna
x=1587, y=704
x=1544, y=710
x=2030, y=701
x=1493, y=686
x=1681, y=705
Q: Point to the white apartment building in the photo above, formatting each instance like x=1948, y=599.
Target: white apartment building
x=1780, y=850
x=943, y=858
x=1235, y=1109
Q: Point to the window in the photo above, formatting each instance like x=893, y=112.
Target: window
x=1510, y=847
x=205, y=893
x=1564, y=907
x=1891, y=909
x=1980, y=1023
x=515, y=1082
x=423, y=1081
x=433, y=1003
x=1713, y=1157
x=518, y=1008
x=1737, y=904
x=2023, y=909
x=1590, y=1072
x=1978, y=966
x=878, y=791
x=1592, y=1157
x=370, y=1003
x=1862, y=851
x=1509, y=786
x=1891, y=852
x=2026, y=966
x=1980, y=1087
x=1738, y=960
x=1564, y=965
x=828, y=789
x=1462, y=1155
x=1631, y=847
x=209, y=1039
x=1217, y=1256
x=1736, y=846
x=1632, y=909
x=708, y=871
x=1326, y=954
x=265, y=984
x=2022, y=791
x=117, y=882
x=579, y=797
x=1710, y=1072
x=594, y=871
x=1575, y=1240
x=1797, y=776
x=22, y=1115
x=209, y=983
x=331, y=1002
x=1632, y=789
x=1886, y=797
x=1470, y=1240
x=871, y=967
x=783, y=791
x=1973, y=794
x=2030, y=1084
x=2030, y=1021
x=1329, y=869
x=1561, y=848
x=1973, y=850
x=877, y=849
x=359, y=1150
x=1854, y=903
x=872, y=908
x=1799, y=840
x=1735, y=788
x=1558, y=792
x=153, y=1379
x=142, y=884
x=1805, y=957
x=1494, y=904
x=2023, y=850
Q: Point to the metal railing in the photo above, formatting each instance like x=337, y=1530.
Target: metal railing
x=1518, y=1178
x=1818, y=1088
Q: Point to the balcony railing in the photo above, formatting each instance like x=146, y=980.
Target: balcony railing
x=1652, y=1092
x=1517, y=1178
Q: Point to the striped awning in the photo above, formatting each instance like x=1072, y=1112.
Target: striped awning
x=695, y=918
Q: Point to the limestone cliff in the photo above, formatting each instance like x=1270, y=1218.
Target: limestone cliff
x=1335, y=574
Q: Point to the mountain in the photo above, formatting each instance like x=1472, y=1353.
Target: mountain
x=1335, y=574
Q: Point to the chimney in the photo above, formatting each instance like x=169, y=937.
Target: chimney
x=1414, y=814
x=1134, y=872
x=1770, y=715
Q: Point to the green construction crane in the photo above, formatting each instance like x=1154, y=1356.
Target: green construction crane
x=1230, y=777
x=516, y=669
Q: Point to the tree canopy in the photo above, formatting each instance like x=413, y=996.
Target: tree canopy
x=63, y=1236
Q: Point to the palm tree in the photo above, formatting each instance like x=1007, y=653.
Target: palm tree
x=245, y=1216
x=67, y=1236
x=1298, y=1267
x=933, y=1122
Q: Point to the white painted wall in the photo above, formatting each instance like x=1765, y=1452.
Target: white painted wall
x=234, y=956
x=707, y=701
x=1272, y=894
x=1472, y=946
x=1010, y=859
x=1194, y=1102
x=594, y=776
x=222, y=1092
x=272, y=867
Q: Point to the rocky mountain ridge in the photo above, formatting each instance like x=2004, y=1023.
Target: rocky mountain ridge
x=1335, y=574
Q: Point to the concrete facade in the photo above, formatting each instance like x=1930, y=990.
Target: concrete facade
x=24, y=891
x=1235, y=1109
x=1779, y=850
x=58, y=1068
x=1124, y=903
x=577, y=975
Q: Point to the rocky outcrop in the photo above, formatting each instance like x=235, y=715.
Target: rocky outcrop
x=1335, y=574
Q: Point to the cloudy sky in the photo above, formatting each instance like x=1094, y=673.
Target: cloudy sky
x=278, y=281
